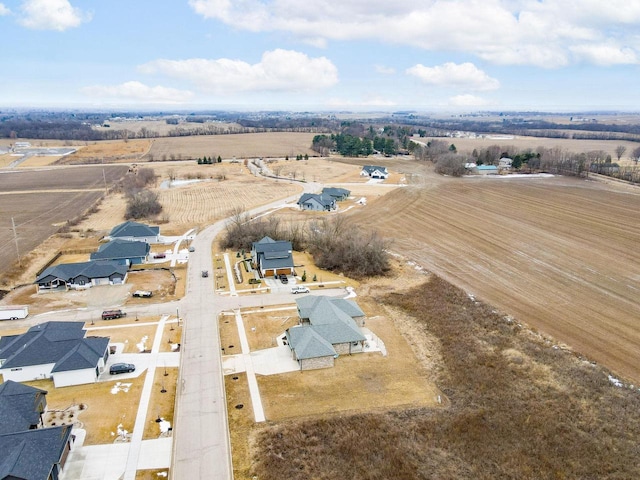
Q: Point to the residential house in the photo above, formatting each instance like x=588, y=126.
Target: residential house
x=35, y=454
x=318, y=203
x=338, y=194
x=271, y=257
x=81, y=275
x=505, y=163
x=56, y=350
x=135, y=232
x=328, y=328
x=21, y=407
x=374, y=171
x=123, y=252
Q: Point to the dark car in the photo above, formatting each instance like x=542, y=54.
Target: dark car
x=122, y=368
x=284, y=279
x=205, y=273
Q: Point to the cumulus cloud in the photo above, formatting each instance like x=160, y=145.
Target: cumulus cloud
x=605, y=55
x=57, y=15
x=140, y=92
x=278, y=71
x=4, y=10
x=467, y=101
x=523, y=32
x=464, y=75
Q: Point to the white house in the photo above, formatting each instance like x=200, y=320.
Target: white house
x=374, y=171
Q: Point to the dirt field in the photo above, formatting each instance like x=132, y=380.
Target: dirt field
x=108, y=151
x=556, y=253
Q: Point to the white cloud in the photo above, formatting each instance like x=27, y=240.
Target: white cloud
x=278, y=71
x=140, y=92
x=4, y=10
x=51, y=15
x=605, y=55
x=464, y=75
x=522, y=32
x=467, y=101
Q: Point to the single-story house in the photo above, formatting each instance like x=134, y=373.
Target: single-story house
x=505, y=163
x=21, y=407
x=82, y=275
x=315, y=202
x=374, y=171
x=135, y=232
x=485, y=170
x=271, y=257
x=123, y=252
x=339, y=194
x=35, y=454
x=56, y=350
x=328, y=328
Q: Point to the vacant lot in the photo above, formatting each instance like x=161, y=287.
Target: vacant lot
x=108, y=151
x=559, y=254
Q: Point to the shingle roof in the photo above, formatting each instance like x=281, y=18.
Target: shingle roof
x=133, y=229
x=18, y=406
x=91, y=269
x=372, y=168
x=117, y=249
x=322, y=199
x=33, y=453
x=307, y=343
x=273, y=254
x=336, y=192
x=54, y=342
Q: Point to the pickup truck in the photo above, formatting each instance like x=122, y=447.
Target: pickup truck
x=112, y=314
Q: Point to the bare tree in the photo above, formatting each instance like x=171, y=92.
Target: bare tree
x=620, y=149
x=636, y=155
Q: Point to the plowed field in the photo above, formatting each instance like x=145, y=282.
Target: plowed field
x=559, y=254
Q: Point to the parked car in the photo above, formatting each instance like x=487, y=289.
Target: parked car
x=143, y=294
x=159, y=255
x=117, y=368
x=205, y=273
x=284, y=279
x=299, y=289
x=111, y=314
x=192, y=249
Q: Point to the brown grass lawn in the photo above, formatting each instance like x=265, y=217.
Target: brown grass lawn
x=229, y=339
x=161, y=403
x=262, y=328
x=108, y=151
x=241, y=421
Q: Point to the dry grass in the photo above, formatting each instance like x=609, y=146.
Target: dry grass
x=520, y=408
x=161, y=403
x=262, y=328
x=109, y=151
x=229, y=339
x=242, y=422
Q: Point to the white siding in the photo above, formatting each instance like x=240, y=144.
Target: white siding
x=74, y=377
x=25, y=374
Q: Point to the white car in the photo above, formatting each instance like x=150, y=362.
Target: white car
x=299, y=289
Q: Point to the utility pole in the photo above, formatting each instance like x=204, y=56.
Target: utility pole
x=15, y=238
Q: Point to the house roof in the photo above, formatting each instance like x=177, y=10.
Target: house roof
x=19, y=406
x=336, y=192
x=487, y=167
x=118, y=249
x=322, y=199
x=59, y=343
x=372, y=168
x=331, y=318
x=308, y=343
x=91, y=269
x=134, y=229
x=273, y=254
x=33, y=453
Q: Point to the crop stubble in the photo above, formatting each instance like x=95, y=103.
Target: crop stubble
x=559, y=254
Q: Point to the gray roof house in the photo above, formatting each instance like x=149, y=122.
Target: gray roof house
x=35, y=454
x=135, y=231
x=374, y=171
x=338, y=194
x=81, y=275
x=123, y=252
x=21, y=407
x=317, y=202
x=327, y=329
x=56, y=350
x=271, y=257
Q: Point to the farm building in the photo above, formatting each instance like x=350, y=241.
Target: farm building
x=271, y=257
x=38, y=454
x=135, y=232
x=485, y=170
x=328, y=328
x=123, y=252
x=374, y=171
x=338, y=194
x=81, y=275
x=505, y=163
x=315, y=202
x=56, y=350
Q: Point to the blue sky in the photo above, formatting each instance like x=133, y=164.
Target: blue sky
x=424, y=55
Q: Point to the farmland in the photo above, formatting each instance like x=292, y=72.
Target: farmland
x=42, y=200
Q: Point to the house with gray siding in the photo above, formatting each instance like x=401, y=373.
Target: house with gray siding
x=317, y=202
x=21, y=407
x=135, y=232
x=328, y=327
x=81, y=275
x=271, y=257
x=338, y=194
x=123, y=252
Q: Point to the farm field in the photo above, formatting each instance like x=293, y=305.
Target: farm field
x=559, y=254
x=42, y=200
